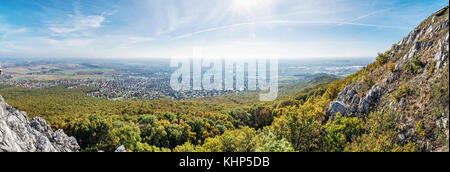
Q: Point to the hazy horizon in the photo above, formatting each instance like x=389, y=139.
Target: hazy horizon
x=231, y=28
x=169, y=58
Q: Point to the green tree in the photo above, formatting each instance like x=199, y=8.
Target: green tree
x=270, y=143
x=340, y=131
x=303, y=131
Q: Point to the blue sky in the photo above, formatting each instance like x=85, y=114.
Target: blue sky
x=221, y=28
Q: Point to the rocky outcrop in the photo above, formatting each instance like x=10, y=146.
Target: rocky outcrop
x=428, y=41
x=17, y=134
x=338, y=107
x=349, y=104
x=121, y=149
x=368, y=103
x=410, y=83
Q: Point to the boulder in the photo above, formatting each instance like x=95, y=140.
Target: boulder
x=338, y=107
x=121, y=149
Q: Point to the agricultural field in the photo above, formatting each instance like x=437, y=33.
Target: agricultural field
x=57, y=72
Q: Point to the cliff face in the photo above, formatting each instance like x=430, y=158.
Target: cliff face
x=17, y=134
x=411, y=81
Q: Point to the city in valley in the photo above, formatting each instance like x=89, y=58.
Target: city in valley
x=146, y=79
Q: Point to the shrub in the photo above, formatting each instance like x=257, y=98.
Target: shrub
x=383, y=58
x=211, y=145
x=148, y=119
x=341, y=131
x=303, y=131
x=420, y=129
x=432, y=67
x=240, y=117
x=415, y=65
x=390, y=67
x=242, y=140
x=169, y=116
x=125, y=133
x=261, y=116
x=239, y=140
x=270, y=143
x=379, y=143
x=402, y=92
x=186, y=147
x=379, y=136
x=368, y=81
x=144, y=147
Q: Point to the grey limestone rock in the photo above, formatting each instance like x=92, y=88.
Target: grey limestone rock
x=17, y=134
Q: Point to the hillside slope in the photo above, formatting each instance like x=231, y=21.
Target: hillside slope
x=410, y=82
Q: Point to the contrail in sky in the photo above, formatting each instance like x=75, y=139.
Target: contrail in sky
x=285, y=22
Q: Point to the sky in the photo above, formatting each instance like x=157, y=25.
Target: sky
x=218, y=28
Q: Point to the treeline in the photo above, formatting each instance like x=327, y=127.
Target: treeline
x=160, y=125
x=294, y=123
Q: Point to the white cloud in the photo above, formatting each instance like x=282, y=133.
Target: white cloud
x=76, y=21
x=7, y=31
x=98, y=46
x=79, y=24
x=174, y=18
